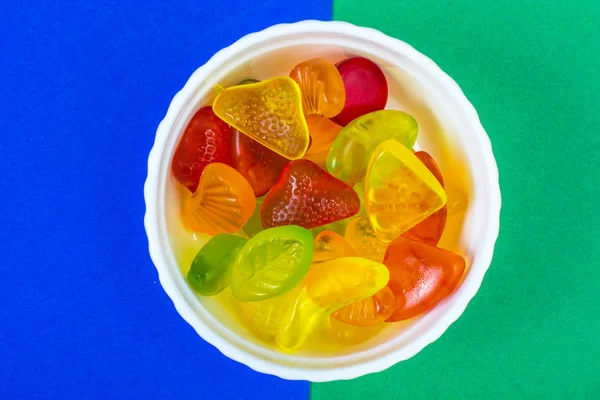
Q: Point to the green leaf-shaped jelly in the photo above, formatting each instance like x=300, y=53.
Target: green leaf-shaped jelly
x=272, y=263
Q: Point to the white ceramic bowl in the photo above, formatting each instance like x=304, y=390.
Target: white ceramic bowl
x=449, y=129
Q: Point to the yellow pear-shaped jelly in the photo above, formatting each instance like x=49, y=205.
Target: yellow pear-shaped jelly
x=400, y=191
x=362, y=238
x=291, y=318
x=270, y=112
x=351, y=335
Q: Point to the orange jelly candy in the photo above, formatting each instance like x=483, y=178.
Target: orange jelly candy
x=368, y=312
x=420, y=276
x=322, y=87
x=431, y=228
x=329, y=245
x=222, y=203
x=323, y=133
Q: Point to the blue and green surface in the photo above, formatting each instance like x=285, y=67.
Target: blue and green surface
x=83, y=88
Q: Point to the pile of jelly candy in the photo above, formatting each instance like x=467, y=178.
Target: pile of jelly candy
x=318, y=208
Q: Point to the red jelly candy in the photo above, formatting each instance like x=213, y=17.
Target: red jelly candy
x=260, y=166
x=308, y=196
x=431, y=228
x=420, y=276
x=366, y=89
x=206, y=139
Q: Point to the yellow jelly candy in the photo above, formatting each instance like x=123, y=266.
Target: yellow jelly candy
x=361, y=236
x=400, y=191
x=329, y=245
x=222, y=203
x=291, y=318
x=270, y=112
x=323, y=132
x=322, y=87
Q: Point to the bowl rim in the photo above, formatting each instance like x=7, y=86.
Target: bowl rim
x=153, y=232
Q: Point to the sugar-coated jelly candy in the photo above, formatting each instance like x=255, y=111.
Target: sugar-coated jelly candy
x=210, y=272
x=322, y=87
x=329, y=245
x=222, y=203
x=206, y=139
x=431, y=228
x=366, y=88
x=259, y=165
x=370, y=311
x=361, y=236
x=350, y=335
x=271, y=263
x=325, y=289
x=400, y=191
x=323, y=132
x=420, y=276
x=308, y=196
x=270, y=112
x=351, y=151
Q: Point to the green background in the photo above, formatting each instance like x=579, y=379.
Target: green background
x=530, y=68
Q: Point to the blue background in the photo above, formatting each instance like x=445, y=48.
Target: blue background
x=84, y=86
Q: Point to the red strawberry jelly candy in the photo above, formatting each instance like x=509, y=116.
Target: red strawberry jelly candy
x=206, y=139
x=431, y=228
x=366, y=89
x=420, y=276
x=308, y=196
x=260, y=166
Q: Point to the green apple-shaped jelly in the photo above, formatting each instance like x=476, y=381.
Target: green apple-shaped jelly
x=210, y=272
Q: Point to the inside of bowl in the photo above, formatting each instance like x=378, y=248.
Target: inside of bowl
x=442, y=132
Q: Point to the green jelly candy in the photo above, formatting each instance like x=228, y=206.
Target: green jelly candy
x=210, y=272
x=351, y=151
x=271, y=263
x=248, y=81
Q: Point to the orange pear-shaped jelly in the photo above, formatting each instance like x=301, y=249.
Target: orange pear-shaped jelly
x=222, y=203
x=420, y=276
x=430, y=230
x=323, y=133
x=360, y=235
x=329, y=245
x=400, y=191
x=368, y=312
x=322, y=87
x=270, y=112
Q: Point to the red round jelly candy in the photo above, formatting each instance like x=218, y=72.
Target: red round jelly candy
x=206, y=139
x=366, y=89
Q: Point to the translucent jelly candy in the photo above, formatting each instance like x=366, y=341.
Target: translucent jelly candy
x=206, y=139
x=349, y=156
x=291, y=318
x=366, y=88
x=361, y=236
x=210, y=272
x=420, y=276
x=351, y=335
x=308, y=196
x=271, y=263
x=323, y=132
x=400, y=191
x=270, y=112
x=259, y=165
x=322, y=88
x=222, y=203
x=370, y=311
x=254, y=225
x=329, y=245
x=431, y=228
